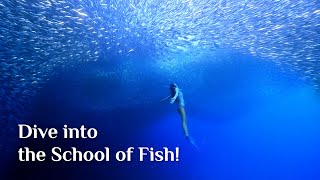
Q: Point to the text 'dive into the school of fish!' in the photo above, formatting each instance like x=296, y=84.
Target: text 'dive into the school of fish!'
x=74, y=154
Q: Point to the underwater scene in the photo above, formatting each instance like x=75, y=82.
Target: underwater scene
x=231, y=87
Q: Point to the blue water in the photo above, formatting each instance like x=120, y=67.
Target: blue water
x=249, y=72
x=250, y=120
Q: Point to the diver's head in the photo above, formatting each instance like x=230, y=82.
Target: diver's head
x=173, y=86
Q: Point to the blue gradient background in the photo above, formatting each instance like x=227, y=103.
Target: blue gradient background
x=250, y=119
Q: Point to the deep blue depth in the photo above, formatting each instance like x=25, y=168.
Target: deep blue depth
x=251, y=121
x=249, y=72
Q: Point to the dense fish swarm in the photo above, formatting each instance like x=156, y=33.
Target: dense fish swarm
x=39, y=36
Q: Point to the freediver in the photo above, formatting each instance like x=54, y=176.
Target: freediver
x=176, y=96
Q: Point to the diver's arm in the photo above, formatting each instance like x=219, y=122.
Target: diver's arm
x=165, y=99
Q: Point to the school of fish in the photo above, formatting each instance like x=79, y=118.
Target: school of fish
x=40, y=36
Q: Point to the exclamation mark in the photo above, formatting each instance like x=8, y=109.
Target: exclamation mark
x=177, y=154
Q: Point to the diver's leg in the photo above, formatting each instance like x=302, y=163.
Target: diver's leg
x=182, y=113
x=183, y=116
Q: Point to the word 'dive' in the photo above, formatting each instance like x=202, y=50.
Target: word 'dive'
x=36, y=132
